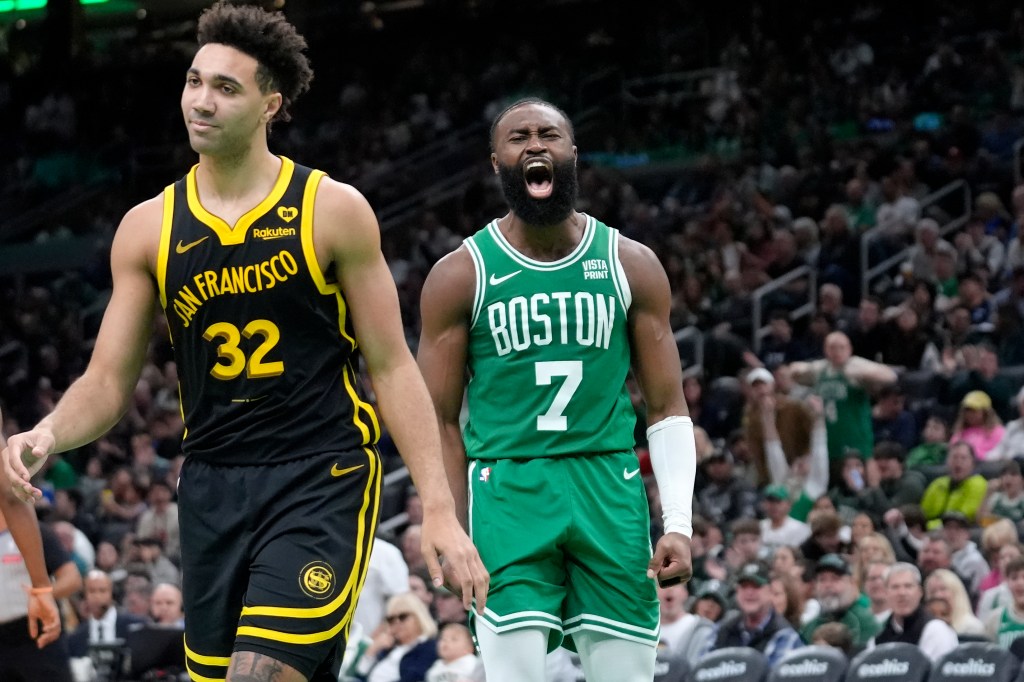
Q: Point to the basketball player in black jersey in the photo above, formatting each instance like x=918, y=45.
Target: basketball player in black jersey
x=273, y=283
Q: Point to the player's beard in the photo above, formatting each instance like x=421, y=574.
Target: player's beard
x=541, y=212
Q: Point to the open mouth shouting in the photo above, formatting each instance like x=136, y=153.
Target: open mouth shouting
x=539, y=175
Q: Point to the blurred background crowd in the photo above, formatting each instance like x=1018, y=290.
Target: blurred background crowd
x=835, y=192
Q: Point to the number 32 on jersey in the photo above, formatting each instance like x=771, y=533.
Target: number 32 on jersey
x=232, y=361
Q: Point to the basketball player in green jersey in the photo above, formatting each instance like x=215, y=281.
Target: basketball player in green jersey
x=273, y=283
x=546, y=308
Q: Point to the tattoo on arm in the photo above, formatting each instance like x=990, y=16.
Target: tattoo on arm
x=249, y=666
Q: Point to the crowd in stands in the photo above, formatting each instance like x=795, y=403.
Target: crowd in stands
x=860, y=465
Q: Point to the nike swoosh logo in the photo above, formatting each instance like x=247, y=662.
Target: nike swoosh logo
x=335, y=471
x=627, y=474
x=182, y=248
x=498, y=280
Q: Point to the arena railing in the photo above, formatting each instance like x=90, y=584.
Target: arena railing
x=869, y=273
x=761, y=329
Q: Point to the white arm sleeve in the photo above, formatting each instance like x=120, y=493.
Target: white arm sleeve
x=817, y=475
x=777, y=465
x=674, y=460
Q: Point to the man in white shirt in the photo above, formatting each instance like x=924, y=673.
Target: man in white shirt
x=387, y=576
x=778, y=527
x=910, y=622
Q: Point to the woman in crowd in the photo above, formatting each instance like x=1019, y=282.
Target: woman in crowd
x=944, y=584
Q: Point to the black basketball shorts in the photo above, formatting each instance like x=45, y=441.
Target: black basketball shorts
x=273, y=558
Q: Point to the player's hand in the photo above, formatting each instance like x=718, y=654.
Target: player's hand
x=671, y=559
x=42, y=609
x=23, y=457
x=444, y=540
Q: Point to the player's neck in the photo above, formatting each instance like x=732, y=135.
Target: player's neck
x=237, y=177
x=544, y=243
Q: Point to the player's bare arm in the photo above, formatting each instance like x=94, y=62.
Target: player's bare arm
x=446, y=304
x=346, y=233
x=98, y=399
x=659, y=375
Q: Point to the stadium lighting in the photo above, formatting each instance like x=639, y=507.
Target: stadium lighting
x=23, y=5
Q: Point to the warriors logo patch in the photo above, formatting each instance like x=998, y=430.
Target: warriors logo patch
x=317, y=580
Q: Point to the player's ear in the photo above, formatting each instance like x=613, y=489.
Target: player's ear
x=494, y=162
x=272, y=105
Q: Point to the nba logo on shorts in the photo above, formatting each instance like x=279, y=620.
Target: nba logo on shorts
x=485, y=474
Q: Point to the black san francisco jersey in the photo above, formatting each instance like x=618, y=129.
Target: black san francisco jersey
x=265, y=348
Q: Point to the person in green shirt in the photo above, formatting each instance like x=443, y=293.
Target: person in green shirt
x=838, y=596
x=960, y=490
x=934, y=445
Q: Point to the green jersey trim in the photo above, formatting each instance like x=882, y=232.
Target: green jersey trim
x=481, y=280
x=577, y=253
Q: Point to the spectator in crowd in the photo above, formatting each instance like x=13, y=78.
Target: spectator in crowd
x=1004, y=496
x=1012, y=443
x=160, y=520
x=406, y=649
x=745, y=544
x=961, y=489
x=934, y=444
x=105, y=623
x=866, y=332
x=683, y=633
x=845, y=491
x=826, y=536
x=889, y=485
x=978, y=251
x=999, y=595
x=835, y=635
x=386, y=576
x=874, y=589
x=726, y=496
x=872, y=548
x=137, y=596
x=165, y=606
x=906, y=340
x=757, y=625
x=710, y=602
x=448, y=607
x=76, y=545
x=946, y=585
x=152, y=560
x=791, y=419
x=843, y=382
x=1006, y=623
x=456, y=656
x=978, y=424
x=996, y=534
x=830, y=304
x=837, y=594
x=778, y=527
x=909, y=621
x=788, y=598
x=927, y=242
x=980, y=372
x=890, y=418
x=786, y=560
x=967, y=560
x=934, y=554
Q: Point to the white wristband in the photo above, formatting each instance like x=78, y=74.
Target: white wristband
x=674, y=460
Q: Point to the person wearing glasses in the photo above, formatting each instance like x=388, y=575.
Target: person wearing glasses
x=404, y=646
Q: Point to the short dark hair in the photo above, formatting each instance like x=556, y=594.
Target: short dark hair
x=268, y=38
x=745, y=527
x=524, y=102
x=1014, y=566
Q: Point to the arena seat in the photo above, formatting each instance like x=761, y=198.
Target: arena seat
x=731, y=664
x=976, y=661
x=891, y=662
x=671, y=668
x=811, y=664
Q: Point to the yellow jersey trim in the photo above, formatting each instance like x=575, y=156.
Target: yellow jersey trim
x=196, y=677
x=326, y=609
x=163, y=251
x=234, y=235
x=222, y=661
x=306, y=230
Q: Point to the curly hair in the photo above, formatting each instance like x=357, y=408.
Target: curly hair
x=268, y=38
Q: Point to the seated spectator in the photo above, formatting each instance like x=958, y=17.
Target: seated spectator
x=1004, y=496
x=165, y=606
x=726, y=497
x=978, y=424
x=889, y=485
x=448, y=607
x=825, y=537
x=757, y=625
x=456, y=656
x=867, y=334
x=999, y=595
x=160, y=520
x=710, y=602
x=946, y=585
x=871, y=549
x=786, y=560
x=906, y=340
x=861, y=527
x=778, y=527
x=961, y=489
x=683, y=633
x=1012, y=443
x=835, y=635
x=744, y=544
x=890, y=418
x=837, y=594
x=967, y=560
x=981, y=373
x=406, y=649
x=874, y=589
x=906, y=531
x=910, y=622
x=934, y=445
x=1006, y=623
x=152, y=560
x=788, y=598
x=996, y=534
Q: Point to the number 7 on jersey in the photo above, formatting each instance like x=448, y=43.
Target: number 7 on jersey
x=572, y=371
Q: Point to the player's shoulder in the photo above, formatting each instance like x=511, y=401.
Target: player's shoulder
x=455, y=267
x=634, y=254
x=139, y=231
x=340, y=198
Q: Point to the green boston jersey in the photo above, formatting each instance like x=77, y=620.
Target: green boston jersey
x=548, y=350
x=847, y=414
